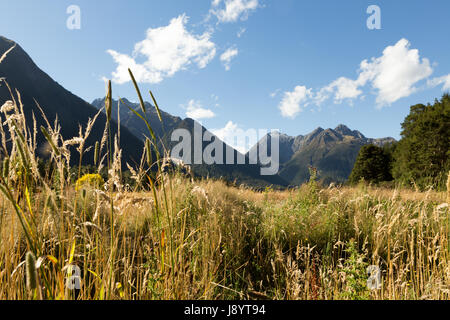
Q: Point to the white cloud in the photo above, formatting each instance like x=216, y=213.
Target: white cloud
x=195, y=110
x=236, y=137
x=393, y=76
x=227, y=56
x=343, y=88
x=233, y=10
x=396, y=72
x=293, y=102
x=440, y=80
x=165, y=51
x=322, y=95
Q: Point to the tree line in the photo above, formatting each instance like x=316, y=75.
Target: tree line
x=421, y=157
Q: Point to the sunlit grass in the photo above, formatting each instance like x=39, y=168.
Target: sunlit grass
x=173, y=237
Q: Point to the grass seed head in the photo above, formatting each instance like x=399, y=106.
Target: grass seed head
x=31, y=273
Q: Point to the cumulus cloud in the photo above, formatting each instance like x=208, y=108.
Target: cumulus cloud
x=227, y=56
x=165, y=51
x=343, y=88
x=396, y=72
x=233, y=10
x=195, y=110
x=392, y=76
x=293, y=102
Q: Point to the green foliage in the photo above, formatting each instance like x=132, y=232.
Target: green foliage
x=372, y=165
x=422, y=155
x=355, y=274
x=313, y=185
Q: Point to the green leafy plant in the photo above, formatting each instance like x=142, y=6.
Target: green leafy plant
x=354, y=269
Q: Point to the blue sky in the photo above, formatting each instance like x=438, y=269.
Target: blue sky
x=238, y=64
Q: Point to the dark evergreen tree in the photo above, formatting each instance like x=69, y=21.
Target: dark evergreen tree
x=373, y=164
x=422, y=155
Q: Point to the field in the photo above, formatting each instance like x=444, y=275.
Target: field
x=208, y=240
x=65, y=235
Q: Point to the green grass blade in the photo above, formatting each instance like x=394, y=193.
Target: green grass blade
x=145, y=120
x=141, y=101
x=156, y=106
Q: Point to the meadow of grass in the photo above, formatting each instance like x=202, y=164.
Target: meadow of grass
x=175, y=237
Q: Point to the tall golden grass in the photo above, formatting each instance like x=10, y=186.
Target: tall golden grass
x=202, y=239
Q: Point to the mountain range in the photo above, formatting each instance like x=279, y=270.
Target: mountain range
x=36, y=87
x=239, y=173
x=332, y=151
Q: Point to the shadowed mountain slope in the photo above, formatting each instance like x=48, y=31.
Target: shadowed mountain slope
x=34, y=85
x=245, y=173
x=332, y=151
